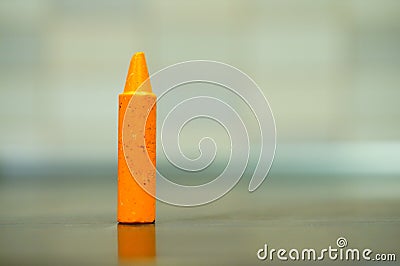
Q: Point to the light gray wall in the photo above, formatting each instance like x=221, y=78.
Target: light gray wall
x=330, y=70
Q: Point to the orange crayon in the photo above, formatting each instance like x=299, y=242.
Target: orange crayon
x=138, y=149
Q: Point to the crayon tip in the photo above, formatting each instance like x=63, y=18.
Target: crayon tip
x=137, y=74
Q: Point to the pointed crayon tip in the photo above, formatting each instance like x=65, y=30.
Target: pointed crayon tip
x=137, y=73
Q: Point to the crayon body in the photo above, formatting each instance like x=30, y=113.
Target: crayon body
x=138, y=148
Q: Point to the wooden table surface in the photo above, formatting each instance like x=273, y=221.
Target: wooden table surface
x=72, y=222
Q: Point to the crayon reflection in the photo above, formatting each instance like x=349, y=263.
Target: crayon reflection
x=136, y=242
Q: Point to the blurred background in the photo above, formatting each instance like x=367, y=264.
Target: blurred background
x=331, y=73
x=330, y=70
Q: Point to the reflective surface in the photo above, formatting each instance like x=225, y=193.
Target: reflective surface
x=73, y=222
